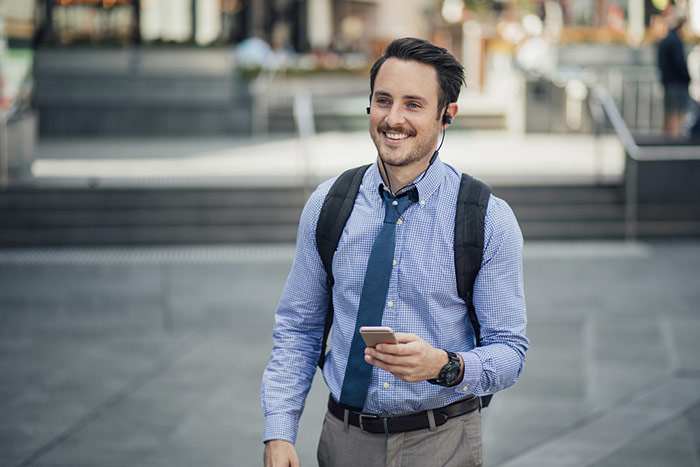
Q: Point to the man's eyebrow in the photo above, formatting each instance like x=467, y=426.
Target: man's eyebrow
x=408, y=97
x=414, y=98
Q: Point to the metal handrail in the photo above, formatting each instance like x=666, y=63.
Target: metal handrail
x=20, y=103
x=635, y=155
x=676, y=152
x=5, y=117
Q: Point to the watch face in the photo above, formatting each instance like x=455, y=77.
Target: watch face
x=450, y=372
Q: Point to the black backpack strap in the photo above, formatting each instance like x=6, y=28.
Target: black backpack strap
x=472, y=201
x=335, y=212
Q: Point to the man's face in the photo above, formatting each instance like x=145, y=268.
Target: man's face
x=403, y=119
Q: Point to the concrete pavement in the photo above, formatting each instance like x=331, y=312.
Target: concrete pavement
x=494, y=156
x=153, y=357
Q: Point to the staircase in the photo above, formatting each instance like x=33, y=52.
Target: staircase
x=143, y=215
x=567, y=212
x=33, y=216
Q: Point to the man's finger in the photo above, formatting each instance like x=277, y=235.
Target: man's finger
x=377, y=362
x=405, y=348
x=376, y=355
x=406, y=337
x=391, y=362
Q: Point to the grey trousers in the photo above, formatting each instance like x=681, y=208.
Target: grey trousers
x=456, y=443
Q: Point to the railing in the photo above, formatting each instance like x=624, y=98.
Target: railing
x=603, y=105
x=260, y=88
x=638, y=94
x=5, y=116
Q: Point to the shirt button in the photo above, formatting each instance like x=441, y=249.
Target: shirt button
x=394, y=263
x=399, y=222
x=386, y=385
x=422, y=202
x=487, y=390
x=395, y=203
x=465, y=388
x=390, y=304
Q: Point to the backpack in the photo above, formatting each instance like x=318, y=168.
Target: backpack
x=472, y=200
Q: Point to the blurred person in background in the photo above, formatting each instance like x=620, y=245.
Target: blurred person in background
x=693, y=118
x=674, y=76
x=419, y=402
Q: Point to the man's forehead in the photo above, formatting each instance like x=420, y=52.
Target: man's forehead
x=407, y=79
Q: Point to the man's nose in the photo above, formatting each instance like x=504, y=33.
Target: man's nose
x=395, y=116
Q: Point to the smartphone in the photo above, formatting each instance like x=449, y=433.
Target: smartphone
x=374, y=335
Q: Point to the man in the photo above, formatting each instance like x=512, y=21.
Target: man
x=674, y=77
x=414, y=88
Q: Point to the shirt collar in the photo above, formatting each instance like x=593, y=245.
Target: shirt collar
x=426, y=186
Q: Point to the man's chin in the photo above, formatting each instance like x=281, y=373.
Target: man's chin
x=395, y=162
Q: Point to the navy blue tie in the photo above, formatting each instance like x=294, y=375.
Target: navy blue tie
x=372, y=300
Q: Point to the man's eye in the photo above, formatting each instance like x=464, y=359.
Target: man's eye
x=382, y=101
x=413, y=105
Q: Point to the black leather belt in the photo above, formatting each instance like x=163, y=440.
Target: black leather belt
x=377, y=424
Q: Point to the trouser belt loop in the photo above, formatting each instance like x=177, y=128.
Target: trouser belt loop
x=346, y=420
x=431, y=420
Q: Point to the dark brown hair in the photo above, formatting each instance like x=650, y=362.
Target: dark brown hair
x=450, y=72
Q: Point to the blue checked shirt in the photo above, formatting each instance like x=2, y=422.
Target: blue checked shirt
x=422, y=299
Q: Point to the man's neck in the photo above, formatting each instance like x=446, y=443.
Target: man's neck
x=399, y=177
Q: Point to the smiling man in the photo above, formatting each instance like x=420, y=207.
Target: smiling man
x=415, y=402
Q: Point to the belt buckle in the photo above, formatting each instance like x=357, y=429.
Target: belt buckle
x=364, y=416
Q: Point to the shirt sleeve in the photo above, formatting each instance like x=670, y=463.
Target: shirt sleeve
x=298, y=331
x=499, y=301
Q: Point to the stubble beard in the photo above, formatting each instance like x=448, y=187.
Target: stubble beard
x=419, y=152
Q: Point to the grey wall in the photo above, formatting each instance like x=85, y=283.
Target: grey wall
x=139, y=91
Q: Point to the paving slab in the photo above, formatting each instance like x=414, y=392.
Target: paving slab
x=88, y=378
x=602, y=437
x=153, y=357
x=674, y=440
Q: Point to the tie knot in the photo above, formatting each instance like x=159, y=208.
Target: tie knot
x=395, y=206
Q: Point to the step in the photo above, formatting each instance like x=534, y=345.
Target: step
x=568, y=212
x=103, y=198
x=161, y=213
x=684, y=228
x=670, y=212
x=174, y=216
x=138, y=235
x=569, y=194
x=541, y=230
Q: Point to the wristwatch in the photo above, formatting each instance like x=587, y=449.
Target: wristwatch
x=450, y=373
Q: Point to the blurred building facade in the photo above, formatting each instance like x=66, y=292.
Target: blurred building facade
x=90, y=56
x=313, y=25
x=303, y=25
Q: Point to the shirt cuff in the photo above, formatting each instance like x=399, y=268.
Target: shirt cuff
x=281, y=426
x=471, y=383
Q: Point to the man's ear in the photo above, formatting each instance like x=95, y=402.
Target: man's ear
x=451, y=112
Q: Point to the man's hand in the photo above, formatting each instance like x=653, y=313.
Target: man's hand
x=280, y=453
x=411, y=360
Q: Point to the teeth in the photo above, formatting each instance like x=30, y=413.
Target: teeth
x=396, y=135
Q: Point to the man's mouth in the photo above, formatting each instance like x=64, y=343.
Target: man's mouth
x=395, y=136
